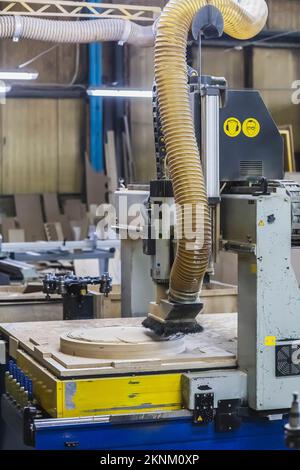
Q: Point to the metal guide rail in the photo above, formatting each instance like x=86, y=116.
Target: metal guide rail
x=74, y=9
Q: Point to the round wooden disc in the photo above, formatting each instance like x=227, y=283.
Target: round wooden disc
x=120, y=343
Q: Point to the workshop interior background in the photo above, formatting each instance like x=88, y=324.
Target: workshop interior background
x=43, y=129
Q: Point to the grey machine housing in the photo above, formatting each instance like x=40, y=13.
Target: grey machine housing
x=255, y=223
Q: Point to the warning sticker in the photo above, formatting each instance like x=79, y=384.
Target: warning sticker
x=251, y=127
x=270, y=341
x=232, y=127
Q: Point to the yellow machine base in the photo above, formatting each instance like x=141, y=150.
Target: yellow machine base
x=98, y=396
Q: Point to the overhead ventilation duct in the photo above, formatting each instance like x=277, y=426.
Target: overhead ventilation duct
x=73, y=32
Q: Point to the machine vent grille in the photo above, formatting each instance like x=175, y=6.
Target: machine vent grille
x=251, y=168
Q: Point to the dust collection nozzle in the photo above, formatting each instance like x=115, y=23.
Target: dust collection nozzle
x=174, y=318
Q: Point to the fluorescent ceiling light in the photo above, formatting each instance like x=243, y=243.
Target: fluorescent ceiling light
x=18, y=75
x=120, y=93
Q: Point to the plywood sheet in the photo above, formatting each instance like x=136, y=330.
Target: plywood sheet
x=53, y=214
x=74, y=209
x=70, y=143
x=7, y=224
x=215, y=347
x=96, y=185
x=54, y=232
x=284, y=15
x=220, y=62
x=29, y=162
x=30, y=216
x=275, y=86
x=16, y=235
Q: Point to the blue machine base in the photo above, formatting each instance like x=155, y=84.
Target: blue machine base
x=168, y=435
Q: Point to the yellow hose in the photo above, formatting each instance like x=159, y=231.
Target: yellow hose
x=242, y=20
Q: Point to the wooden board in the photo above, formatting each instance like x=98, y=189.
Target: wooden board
x=70, y=144
x=107, y=307
x=7, y=224
x=30, y=216
x=96, y=184
x=16, y=235
x=87, y=267
x=111, y=164
x=30, y=134
x=74, y=209
x=53, y=214
x=41, y=146
x=120, y=343
x=54, y=232
x=275, y=86
x=214, y=347
x=218, y=297
x=51, y=207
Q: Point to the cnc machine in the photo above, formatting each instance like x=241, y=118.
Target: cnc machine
x=232, y=387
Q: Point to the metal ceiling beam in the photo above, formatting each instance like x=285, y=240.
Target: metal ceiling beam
x=74, y=9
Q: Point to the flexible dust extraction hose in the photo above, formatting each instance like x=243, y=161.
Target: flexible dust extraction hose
x=73, y=32
x=243, y=19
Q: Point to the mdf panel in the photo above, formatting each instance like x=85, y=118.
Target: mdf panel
x=284, y=14
x=142, y=133
x=274, y=72
x=30, y=137
x=1, y=145
x=221, y=62
x=71, y=123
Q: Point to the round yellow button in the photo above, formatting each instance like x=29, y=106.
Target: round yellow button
x=251, y=127
x=232, y=127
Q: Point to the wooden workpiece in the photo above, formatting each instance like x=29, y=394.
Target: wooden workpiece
x=120, y=342
x=215, y=347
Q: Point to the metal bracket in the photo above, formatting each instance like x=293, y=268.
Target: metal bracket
x=204, y=408
x=227, y=418
x=30, y=413
x=2, y=352
x=18, y=29
x=208, y=21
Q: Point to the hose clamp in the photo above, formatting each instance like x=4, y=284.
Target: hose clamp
x=126, y=33
x=155, y=26
x=18, y=29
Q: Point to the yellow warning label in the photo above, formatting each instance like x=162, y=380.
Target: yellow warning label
x=261, y=223
x=251, y=127
x=253, y=268
x=232, y=127
x=270, y=341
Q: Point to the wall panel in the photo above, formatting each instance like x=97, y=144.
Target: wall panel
x=284, y=14
x=274, y=72
x=41, y=146
x=223, y=62
x=70, y=160
x=29, y=139
x=141, y=76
